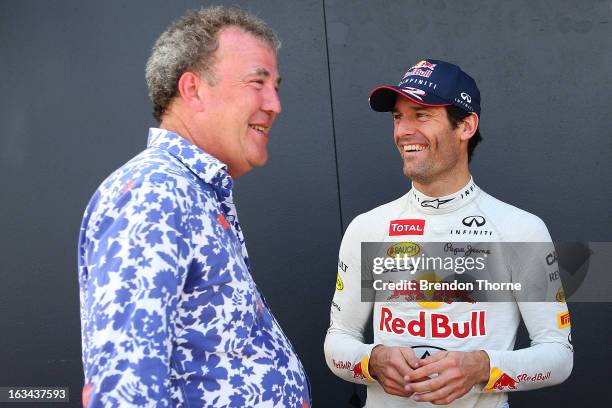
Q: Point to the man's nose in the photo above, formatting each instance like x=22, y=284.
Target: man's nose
x=406, y=126
x=272, y=102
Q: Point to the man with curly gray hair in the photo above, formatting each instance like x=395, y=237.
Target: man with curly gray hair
x=170, y=313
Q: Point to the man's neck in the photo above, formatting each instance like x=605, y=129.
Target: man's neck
x=174, y=124
x=445, y=185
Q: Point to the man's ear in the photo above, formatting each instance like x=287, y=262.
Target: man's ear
x=190, y=90
x=468, y=126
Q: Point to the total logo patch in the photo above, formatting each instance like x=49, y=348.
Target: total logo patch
x=406, y=227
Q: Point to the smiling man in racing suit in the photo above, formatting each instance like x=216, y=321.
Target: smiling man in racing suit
x=457, y=353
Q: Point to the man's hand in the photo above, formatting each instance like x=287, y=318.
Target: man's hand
x=389, y=366
x=457, y=372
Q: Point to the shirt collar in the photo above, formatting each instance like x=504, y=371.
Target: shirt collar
x=208, y=168
x=448, y=203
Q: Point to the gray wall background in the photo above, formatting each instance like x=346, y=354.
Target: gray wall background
x=74, y=108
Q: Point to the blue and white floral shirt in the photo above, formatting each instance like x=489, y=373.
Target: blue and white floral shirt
x=170, y=314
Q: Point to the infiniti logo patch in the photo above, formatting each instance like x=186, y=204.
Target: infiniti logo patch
x=474, y=219
x=473, y=224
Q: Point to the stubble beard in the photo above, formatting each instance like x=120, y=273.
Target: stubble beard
x=419, y=172
x=428, y=171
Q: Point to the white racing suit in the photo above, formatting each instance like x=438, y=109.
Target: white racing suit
x=469, y=215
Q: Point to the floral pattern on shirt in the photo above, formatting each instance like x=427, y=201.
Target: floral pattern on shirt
x=170, y=314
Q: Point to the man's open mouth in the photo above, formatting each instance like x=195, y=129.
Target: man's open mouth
x=259, y=128
x=414, y=147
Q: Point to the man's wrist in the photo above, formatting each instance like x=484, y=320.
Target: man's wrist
x=373, y=356
x=485, y=366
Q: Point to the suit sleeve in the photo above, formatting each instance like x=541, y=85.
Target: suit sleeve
x=549, y=359
x=346, y=353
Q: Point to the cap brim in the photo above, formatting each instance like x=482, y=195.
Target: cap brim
x=382, y=98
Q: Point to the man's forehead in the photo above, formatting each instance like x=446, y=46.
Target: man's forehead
x=235, y=39
x=402, y=103
x=242, y=49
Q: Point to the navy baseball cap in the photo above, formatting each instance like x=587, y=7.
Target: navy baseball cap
x=431, y=83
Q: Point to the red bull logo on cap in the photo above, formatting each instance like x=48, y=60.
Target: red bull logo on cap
x=421, y=68
x=424, y=64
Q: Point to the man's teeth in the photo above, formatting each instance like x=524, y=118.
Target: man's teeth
x=257, y=127
x=413, y=148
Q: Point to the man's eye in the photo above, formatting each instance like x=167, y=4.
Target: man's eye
x=421, y=115
x=396, y=117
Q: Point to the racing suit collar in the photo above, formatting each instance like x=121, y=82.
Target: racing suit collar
x=448, y=203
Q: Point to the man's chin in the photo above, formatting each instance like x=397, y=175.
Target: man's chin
x=259, y=161
x=415, y=174
x=410, y=171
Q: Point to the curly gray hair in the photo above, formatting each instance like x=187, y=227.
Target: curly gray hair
x=189, y=43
